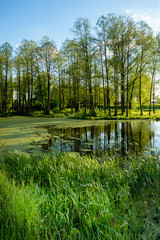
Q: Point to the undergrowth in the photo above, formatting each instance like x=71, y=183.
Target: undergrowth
x=67, y=196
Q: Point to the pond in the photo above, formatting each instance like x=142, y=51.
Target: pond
x=86, y=137
x=120, y=137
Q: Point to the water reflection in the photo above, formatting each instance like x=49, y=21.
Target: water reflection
x=120, y=137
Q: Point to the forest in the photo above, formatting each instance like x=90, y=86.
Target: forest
x=113, y=65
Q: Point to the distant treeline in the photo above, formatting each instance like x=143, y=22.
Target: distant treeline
x=113, y=64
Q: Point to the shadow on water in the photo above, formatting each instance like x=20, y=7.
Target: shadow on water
x=117, y=137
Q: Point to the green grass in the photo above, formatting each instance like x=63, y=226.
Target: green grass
x=67, y=196
x=100, y=114
x=133, y=114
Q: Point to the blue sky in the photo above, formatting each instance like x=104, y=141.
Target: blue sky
x=33, y=19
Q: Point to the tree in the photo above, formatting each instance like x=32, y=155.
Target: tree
x=82, y=31
x=48, y=55
x=1, y=81
x=26, y=54
x=18, y=66
x=72, y=55
x=103, y=25
x=111, y=68
x=6, y=58
x=144, y=43
x=153, y=68
x=113, y=48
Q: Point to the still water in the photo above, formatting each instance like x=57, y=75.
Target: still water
x=120, y=137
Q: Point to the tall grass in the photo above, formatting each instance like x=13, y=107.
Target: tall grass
x=67, y=196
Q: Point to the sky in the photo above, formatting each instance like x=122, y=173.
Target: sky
x=33, y=19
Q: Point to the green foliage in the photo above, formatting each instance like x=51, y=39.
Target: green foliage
x=133, y=114
x=66, y=196
x=66, y=111
x=83, y=73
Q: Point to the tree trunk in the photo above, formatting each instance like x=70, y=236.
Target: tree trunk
x=116, y=86
x=131, y=95
x=104, y=93
x=6, y=89
x=48, y=91
x=1, y=88
x=140, y=84
x=70, y=90
x=107, y=76
x=92, y=109
x=150, y=102
x=127, y=80
x=153, y=96
x=28, y=81
x=40, y=89
x=122, y=79
x=140, y=94
x=60, y=100
x=19, y=89
x=31, y=85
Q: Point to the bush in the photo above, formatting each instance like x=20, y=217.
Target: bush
x=66, y=111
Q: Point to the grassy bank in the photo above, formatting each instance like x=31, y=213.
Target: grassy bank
x=99, y=114
x=133, y=114
x=71, y=197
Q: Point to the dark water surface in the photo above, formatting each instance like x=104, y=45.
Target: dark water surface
x=120, y=137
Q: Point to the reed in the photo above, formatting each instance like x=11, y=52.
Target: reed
x=67, y=196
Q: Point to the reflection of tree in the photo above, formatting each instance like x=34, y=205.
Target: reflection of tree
x=141, y=134
x=86, y=134
x=122, y=139
x=127, y=136
x=116, y=135
x=105, y=133
x=77, y=145
x=150, y=137
x=153, y=140
x=109, y=132
x=92, y=135
x=131, y=136
x=140, y=138
x=132, y=145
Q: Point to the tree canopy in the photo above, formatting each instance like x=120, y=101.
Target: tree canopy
x=114, y=64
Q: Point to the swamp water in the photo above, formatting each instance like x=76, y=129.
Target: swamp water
x=86, y=137
x=119, y=137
